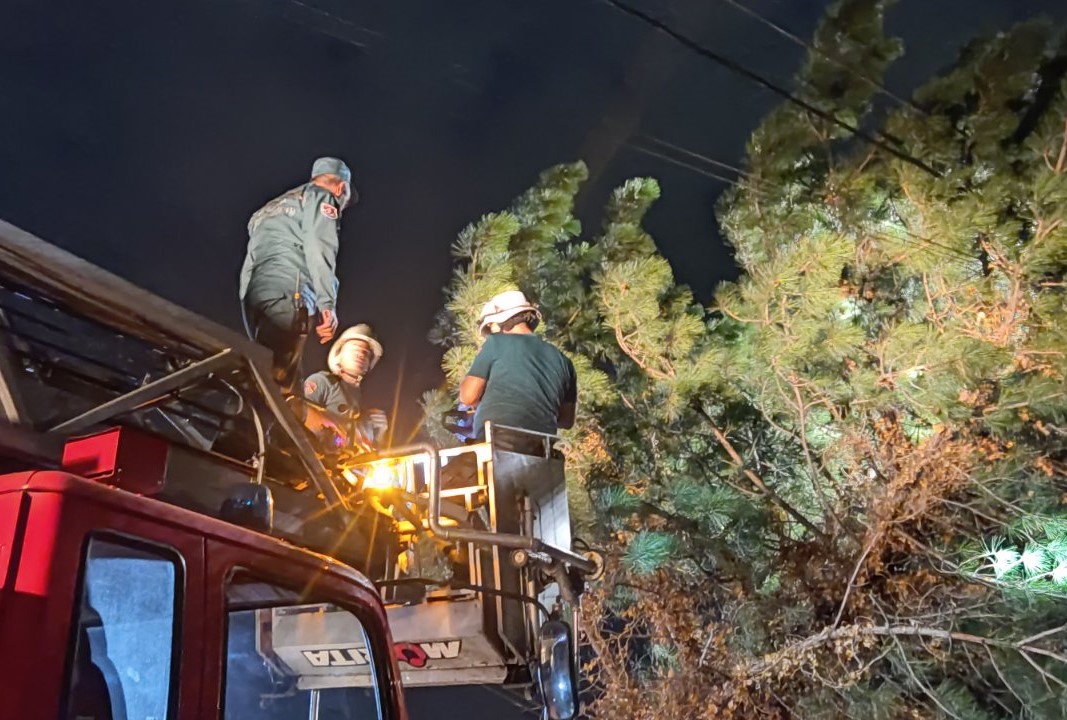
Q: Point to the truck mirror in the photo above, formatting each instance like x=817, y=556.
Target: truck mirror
x=556, y=673
x=250, y=506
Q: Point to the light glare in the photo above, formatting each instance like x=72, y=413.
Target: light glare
x=381, y=477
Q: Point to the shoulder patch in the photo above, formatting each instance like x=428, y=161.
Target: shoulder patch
x=310, y=386
x=328, y=210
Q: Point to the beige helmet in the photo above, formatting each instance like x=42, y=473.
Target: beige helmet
x=502, y=308
x=358, y=332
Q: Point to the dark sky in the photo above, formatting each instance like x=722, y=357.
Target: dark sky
x=142, y=134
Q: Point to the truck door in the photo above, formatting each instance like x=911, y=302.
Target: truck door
x=245, y=589
x=132, y=590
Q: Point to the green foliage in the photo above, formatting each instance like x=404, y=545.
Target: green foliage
x=867, y=429
x=617, y=500
x=648, y=551
x=714, y=507
x=956, y=700
x=1032, y=556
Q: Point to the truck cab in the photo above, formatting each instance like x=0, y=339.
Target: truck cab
x=120, y=607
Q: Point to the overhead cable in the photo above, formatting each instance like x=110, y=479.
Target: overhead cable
x=743, y=71
x=762, y=19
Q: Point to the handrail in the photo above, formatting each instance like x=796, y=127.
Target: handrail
x=481, y=537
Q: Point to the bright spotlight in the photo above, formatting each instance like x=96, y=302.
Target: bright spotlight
x=382, y=476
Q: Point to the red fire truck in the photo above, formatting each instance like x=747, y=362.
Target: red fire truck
x=173, y=544
x=119, y=606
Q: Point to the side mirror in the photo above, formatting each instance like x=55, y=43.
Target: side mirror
x=250, y=506
x=556, y=674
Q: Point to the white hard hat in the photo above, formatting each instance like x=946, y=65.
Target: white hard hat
x=357, y=332
x=503, y=307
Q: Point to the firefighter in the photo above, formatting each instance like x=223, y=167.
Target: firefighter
x=288, y=273
x=337, y=392
x=518, y=379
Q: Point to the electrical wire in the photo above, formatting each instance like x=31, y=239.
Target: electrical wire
x=745, y=72
x=754, y=186
x=696, y=155
x=762, y=19
x=681, y=163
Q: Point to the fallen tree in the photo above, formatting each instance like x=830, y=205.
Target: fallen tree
x=840, y=490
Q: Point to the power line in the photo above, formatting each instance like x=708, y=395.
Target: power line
x=696, y=155
x=918, y=241
x=908, y=238
x=764, y=188
x=336, y=18
x=681, y=163
x=752, y=186
x=741, y=70
x=762, y=19
x=760, y=187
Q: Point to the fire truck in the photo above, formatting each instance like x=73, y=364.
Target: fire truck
x=174, y=544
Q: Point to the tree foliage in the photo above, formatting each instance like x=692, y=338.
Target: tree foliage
x=840, y=491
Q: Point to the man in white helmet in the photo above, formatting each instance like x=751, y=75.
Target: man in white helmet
x=518, y=379
x=337, y=391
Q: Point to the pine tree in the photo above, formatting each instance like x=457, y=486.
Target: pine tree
x=840, y=491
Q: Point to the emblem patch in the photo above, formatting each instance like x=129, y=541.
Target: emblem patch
x=310, y=387
x=328, y=210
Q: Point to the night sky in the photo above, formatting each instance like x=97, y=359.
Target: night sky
x=142, y=134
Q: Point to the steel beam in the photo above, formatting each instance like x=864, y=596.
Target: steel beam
x=287, y=421
x=146, y=394
x=11, y=405
x=117, y=303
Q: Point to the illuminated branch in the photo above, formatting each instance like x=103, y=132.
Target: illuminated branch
x=1023, y=647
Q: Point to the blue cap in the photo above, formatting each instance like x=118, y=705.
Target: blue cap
x=331, y=166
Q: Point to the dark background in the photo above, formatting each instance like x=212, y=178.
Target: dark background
x=141, y=134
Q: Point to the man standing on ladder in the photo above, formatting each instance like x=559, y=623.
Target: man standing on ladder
x=288, y=276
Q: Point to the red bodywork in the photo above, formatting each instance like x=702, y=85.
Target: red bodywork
x=46, y=518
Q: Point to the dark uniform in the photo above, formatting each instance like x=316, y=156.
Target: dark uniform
x=342, y=401
x=331, y=392
x=288, y=275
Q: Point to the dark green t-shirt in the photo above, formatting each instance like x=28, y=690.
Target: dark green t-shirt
x=527, y=381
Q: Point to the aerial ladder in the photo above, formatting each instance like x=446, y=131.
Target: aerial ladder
x=469, y=547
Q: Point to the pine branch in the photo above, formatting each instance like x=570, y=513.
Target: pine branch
x=855, y=573
x=1022, y=647
x=755, y=479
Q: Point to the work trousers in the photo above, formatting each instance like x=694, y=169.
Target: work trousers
x=280, y=324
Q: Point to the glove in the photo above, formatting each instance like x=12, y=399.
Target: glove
x=460, y=422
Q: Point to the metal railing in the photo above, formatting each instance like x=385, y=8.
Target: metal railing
x=479, y=537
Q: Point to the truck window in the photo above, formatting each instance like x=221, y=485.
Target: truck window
x=289, y=658
x=124, y=637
